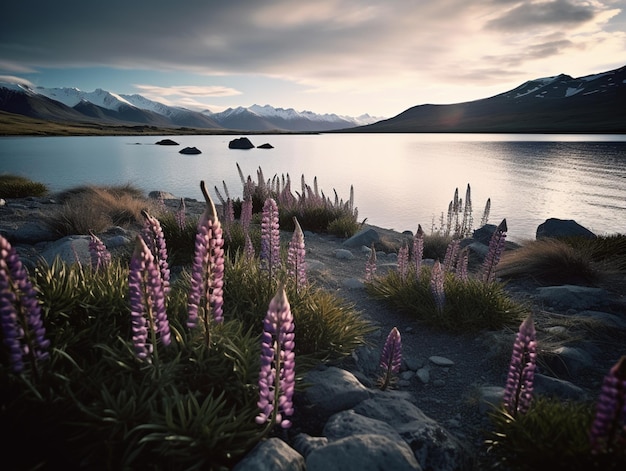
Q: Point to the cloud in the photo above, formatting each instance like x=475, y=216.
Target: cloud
x=188, y=90
x=16, y=80
x=544, y=13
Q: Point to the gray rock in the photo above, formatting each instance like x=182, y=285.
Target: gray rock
x=344, y=254
x=364, y=237
x=334, y=389
x=348, y=422
x=483, y=235
x=363, y=453
x=353, y=283
x=440, y=361
x=272, y=454
x=573, y=296
x=423, y=375
x=603, y=318
x=554, y=227
x=549, y=386
x=489, y=398
x=69, y=249
x=32, y=232
x=241, y=143
x=305, y=444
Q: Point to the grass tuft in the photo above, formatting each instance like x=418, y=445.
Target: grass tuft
x=14, y=186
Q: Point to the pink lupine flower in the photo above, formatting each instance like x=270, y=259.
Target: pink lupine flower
x=437, y=286
x=403, y=261
x=418, y=249
x=100, y=256
x=147, y=302
x=277, y=374
x=608, y=431
x=23, y=332
x=296, y=256
x=391, y=357
x=152, y=235
x=451, y=255
x=461, y=265
x=519, y=383
x=249, y=248
x=229, y=219
x=180, y=215
x=370, y=265
x=496, y=247
x=246, y=214
x=207, y=271
x=270, y=238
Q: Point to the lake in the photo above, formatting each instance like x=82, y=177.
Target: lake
x=399, y=180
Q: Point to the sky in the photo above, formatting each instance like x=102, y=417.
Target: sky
x=347, y=57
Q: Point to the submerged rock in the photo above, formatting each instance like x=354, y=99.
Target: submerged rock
x=240, y=143
x=190, y=150
x=167, y=142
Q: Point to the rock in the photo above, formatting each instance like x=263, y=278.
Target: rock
x=353, y=283
x=365, y=452
x=32, y=232
x=483, y=235
x=272, y=454
x=607, y=320
x=164, y=195
x=364, y=237
x=440, y=361
x=190, y=151
x=344, y=254
x=568, y=361
x=554, y=227
x=348, y=422
x=333, y=389
x=240, y=143
x=489, y=398
x=265, y=146
x=305, y=444
x=573, y=296
x=166, y=142
x=549, y=386
x=69, y=249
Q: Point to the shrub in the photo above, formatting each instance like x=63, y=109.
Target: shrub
x=14, y=186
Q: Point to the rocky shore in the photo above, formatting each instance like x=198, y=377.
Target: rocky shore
x=436, y=415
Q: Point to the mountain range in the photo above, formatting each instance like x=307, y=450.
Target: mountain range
x=558, y=104
x=76, y=106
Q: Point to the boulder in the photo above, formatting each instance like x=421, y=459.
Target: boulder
x=190, y=151
x=554, y=227
x=364, y=237
x=166, y=142
x=272, y=454
x=265, y=146
x=240, y=143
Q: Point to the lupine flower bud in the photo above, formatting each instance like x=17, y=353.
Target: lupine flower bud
x=370, y=265
x=461, y=265
x=147, y=301
x=391, y=357
x=519, y=383
x=451, y=255
x=496, y=247
x=180, y=215
x=152, y=234
x=270, y=237
x=437, y=286
x=249, y=248
x=207, y=271
x=403, y=261
x=296, y=256
x=100, y=256
x=277, y=374
x=418, y=249
x=608, y=431
x=246, y=213
x=23, y=332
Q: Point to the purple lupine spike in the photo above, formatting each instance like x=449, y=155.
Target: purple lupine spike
x=246, y=214
x=418, y=249
x=608, y=430
x=370, y=265
x=296, y=256
x=152, y=234
x=496, y=247
x=277, y=374
x=461, y=265
x=229, y=219
x=452, y=252
x=249, y=248
x=403, y=261
x=519, y=382
x=147, y=301
x=437, y=286
x=207, y=271
x=391, y=357
x=23, y=331
x=100, y=256
x=270, y=237
x=181, y=215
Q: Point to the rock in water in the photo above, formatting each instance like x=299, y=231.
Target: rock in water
x=240, y=143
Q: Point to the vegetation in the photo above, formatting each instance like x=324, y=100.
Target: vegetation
x=14, y=186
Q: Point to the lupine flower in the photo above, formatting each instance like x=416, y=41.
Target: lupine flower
x=246, y=214
x=229, y=217
x=23, y=332
x=608, y=431
x=296, y=256
x=436, y=286
x=418, y=249
x=249, y=248
x=403, y=261
x=100, y=256
x=180, y=215
x=370, y=265
x=450, y=257
x=461, y=265
x=152, y=235
x=496, y=247
x=147, y=302
x=270, y=237
x=391, y=357
x=207, y=271
x=519, y=382
x=277, y=374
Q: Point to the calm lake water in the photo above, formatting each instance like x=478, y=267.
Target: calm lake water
x=400, y=180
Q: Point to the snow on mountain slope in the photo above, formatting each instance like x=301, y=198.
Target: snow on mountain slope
x=72, y=96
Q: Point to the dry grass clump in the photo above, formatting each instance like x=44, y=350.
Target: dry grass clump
x=96, y=208
x=14, y=186
x=550, y=260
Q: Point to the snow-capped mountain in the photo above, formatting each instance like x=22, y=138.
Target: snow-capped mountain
x=75, y=105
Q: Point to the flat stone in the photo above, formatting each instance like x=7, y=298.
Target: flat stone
x=440, y=361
